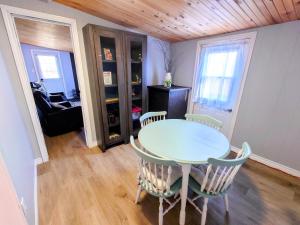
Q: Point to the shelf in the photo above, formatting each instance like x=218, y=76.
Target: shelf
x=111, y=85
x=136, y=61
x=111, y=100
x=108, y=61
x=135, y=98
x=134, y=83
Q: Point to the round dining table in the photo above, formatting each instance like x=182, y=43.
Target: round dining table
x=186, y=143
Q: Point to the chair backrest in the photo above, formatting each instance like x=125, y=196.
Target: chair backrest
x=205, y=119
x=154, y=172
x=150, y=117
x=221, y=172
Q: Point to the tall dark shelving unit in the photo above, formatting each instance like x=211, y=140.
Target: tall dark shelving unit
x=116, y=73
x=135, y=64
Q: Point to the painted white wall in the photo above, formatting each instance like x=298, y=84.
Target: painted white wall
x=268, y=117
x=155, y=62
x=10, y=212
x=15, y=146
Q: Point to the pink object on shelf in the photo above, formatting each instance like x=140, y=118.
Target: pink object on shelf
x=136, y=109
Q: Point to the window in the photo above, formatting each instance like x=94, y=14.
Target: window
x=220, y=70
x=47, y=64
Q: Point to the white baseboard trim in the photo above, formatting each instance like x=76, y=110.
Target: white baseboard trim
x=38, y=161
x=92, y=144
x=271, y=163
x=36, y=207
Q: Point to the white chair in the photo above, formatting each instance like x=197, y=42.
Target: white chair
x=158, y=177
x=150, y=117
x=205, y=119
x=208, y=121
x=217, y=179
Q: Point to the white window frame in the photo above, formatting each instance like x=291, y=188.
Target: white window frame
x=218, y=41
x=37, y=52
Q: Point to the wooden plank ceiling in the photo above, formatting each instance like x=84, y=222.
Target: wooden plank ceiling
x=177, y=20
x=44, y=34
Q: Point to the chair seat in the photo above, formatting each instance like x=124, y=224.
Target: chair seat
x=151, y=189
x=150, y=175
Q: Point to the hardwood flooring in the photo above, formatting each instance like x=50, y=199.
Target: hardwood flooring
x=81, y=186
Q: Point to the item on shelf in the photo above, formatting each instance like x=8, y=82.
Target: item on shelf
x=138, y=80
x=107, y=54
x=111, y=118
x=136, y=56
x=114, y=136
x=136, y=112
x=168, y=80
x=107, y=78
x=133, y=92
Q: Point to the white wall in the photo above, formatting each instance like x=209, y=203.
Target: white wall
x=14, y=141
x=155, y=62
x=268, y=117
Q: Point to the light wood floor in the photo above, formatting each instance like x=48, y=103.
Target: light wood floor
x=81, y=186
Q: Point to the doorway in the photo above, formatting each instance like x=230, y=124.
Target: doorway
x=50, y=64
x=220, y=74
x=49, y=59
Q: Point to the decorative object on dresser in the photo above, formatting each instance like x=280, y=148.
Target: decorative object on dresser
x=116, y=71
x=173, y=100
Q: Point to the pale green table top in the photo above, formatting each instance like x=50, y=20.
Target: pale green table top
x=183, y=141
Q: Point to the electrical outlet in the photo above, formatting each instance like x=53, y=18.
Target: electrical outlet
x=23, y=206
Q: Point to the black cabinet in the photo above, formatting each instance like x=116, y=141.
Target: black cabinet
x=174, y=100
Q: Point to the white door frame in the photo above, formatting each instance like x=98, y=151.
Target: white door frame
x=251, y=36
x=9, y=13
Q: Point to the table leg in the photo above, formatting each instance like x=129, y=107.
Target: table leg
x=186, y=168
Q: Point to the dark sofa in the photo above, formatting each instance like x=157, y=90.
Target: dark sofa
x=57, y=117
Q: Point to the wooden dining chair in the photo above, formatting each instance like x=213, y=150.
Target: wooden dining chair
x=150, y=117
x=217, y=179
x=205, y=119
x=158, y=177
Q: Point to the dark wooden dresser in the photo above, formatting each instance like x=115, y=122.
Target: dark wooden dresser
x=174, y=100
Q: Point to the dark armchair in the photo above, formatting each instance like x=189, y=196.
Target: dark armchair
x=57, y=118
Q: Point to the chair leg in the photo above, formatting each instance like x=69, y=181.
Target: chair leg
x=176, y=195
x=161, y=211
x=226, y=202
x=138, y=193
x=204, y=211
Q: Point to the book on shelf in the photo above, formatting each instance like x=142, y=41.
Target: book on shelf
x=107, y=54
x=107, y=77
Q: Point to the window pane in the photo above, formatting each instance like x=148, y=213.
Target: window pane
x=48, y=66
x=216, y=63
x=210, y=88
x=220, y=64
x=230, y=64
